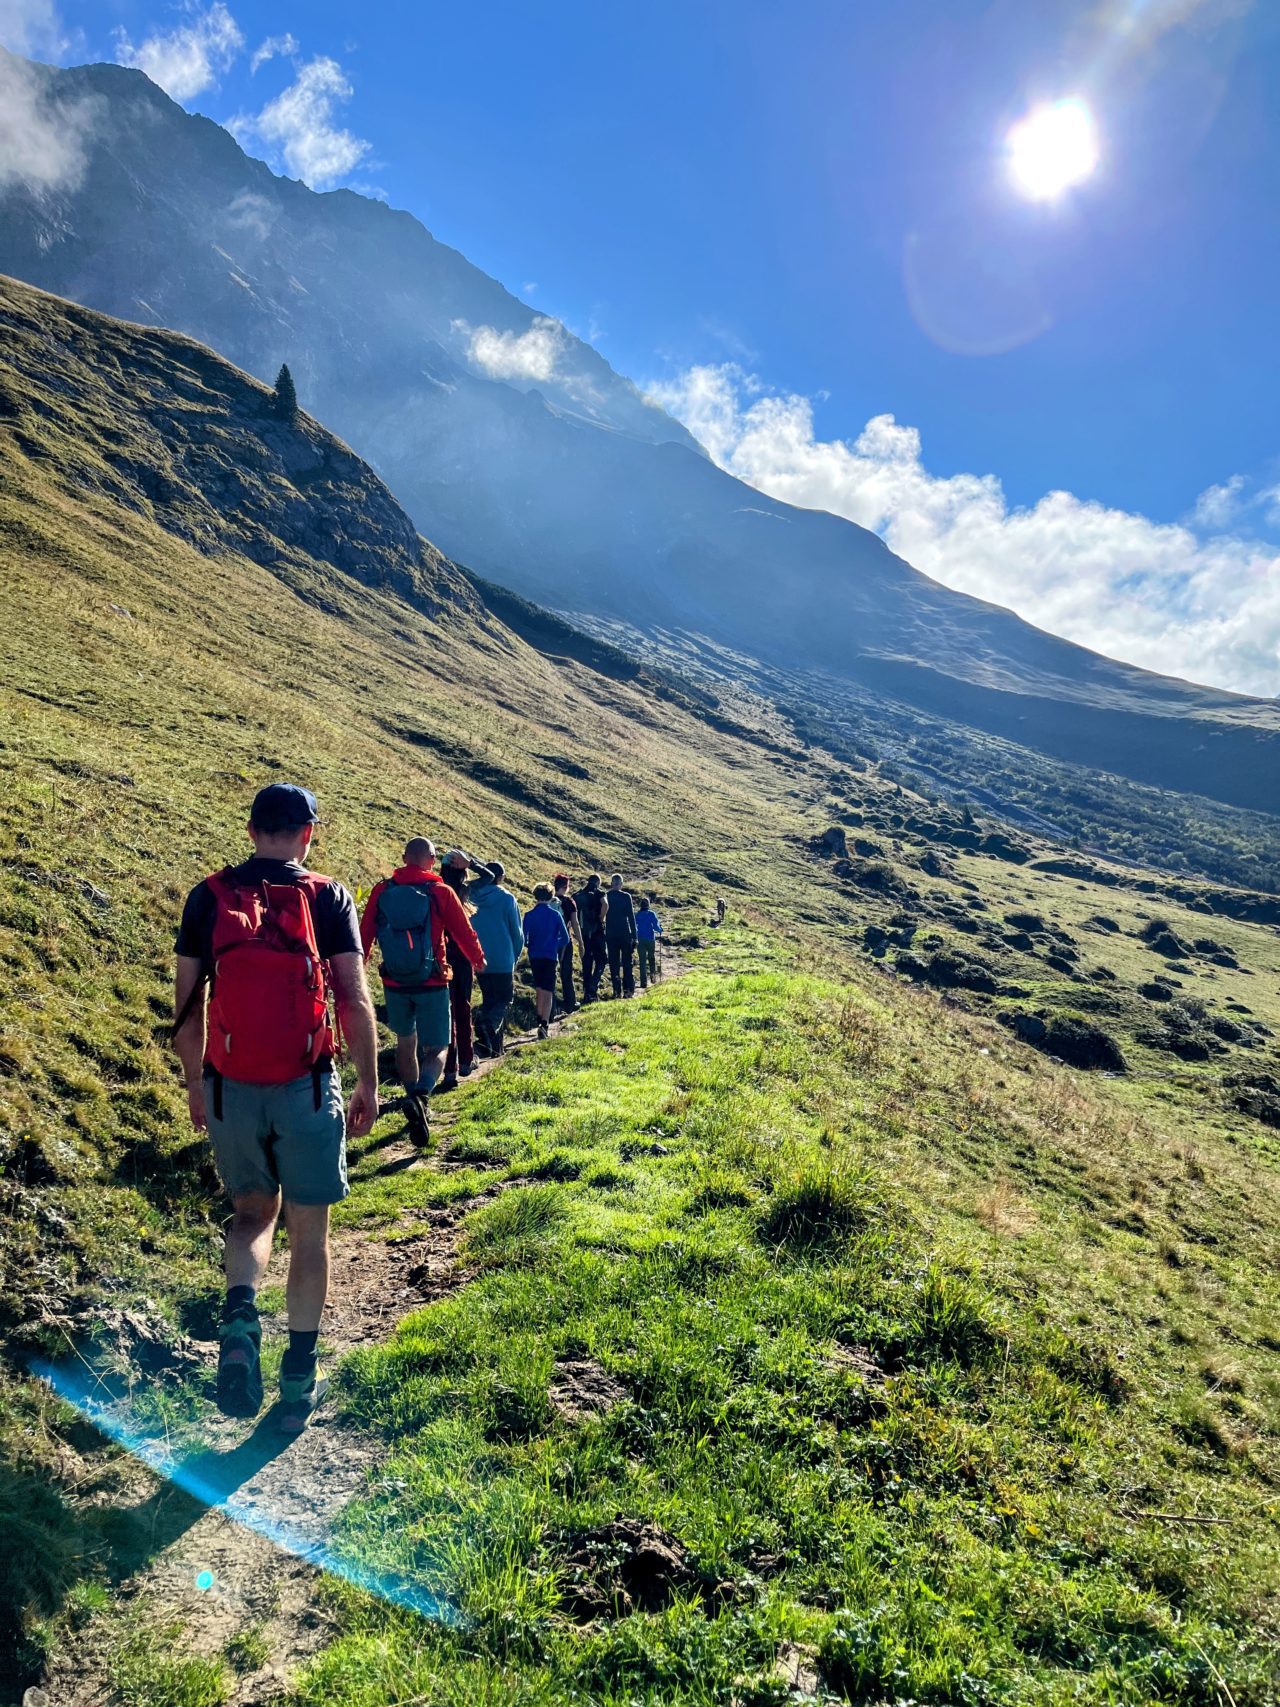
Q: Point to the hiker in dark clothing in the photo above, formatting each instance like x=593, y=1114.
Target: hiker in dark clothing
x=620, y=938
x=567, y=908
x=648, y=930
x=496, y=921
x=459, y=1062
x=271, y=940
x=545, y=935
x=590, y=899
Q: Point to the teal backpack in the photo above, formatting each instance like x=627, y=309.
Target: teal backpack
x=404, y=934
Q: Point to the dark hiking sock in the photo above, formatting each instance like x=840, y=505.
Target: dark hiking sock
x=238, y=1297
x=302, y=1349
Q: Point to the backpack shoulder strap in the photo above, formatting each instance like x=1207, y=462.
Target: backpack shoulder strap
x=217, y=888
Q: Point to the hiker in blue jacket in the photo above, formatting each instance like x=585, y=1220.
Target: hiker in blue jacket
x=648, y=930
x=495, y=918
x=545, y=936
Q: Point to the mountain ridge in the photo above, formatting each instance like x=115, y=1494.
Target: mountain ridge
x=567, y=486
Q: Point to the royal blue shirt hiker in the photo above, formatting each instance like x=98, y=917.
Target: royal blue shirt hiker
x=647, y=925
x=545, y=932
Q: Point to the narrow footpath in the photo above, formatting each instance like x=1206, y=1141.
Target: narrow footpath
x=224, y=1544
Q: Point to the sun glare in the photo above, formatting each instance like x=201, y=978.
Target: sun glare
x=1052, y=149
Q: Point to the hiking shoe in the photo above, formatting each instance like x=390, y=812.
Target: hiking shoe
x=466, y=1069
x=543, y=1032
x=448, y=1083
x=300, y=1392
x=415, y=1116
x=239, y=1386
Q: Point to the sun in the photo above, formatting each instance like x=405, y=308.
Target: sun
x=1054, y=148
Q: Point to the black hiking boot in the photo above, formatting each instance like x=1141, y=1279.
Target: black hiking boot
x=466, y=1068
x=543, y=1031
x=448, y=1083
x=239, y=1386
x=415, y=1117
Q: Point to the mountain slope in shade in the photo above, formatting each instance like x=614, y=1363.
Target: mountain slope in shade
x=560, y=480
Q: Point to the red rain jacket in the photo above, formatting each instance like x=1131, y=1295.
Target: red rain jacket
x=448, y=920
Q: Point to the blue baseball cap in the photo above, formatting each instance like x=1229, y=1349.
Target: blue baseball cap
x=283, y=806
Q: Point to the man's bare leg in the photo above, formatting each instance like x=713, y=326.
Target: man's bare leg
x=248, y=1248
x=308, y=1284
x=407, y=1060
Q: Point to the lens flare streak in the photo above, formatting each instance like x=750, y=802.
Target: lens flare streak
x=75, y=1387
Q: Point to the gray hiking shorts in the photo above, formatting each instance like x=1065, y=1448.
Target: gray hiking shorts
x=271, y=1138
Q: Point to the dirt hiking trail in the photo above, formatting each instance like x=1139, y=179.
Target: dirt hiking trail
x=234, y=1545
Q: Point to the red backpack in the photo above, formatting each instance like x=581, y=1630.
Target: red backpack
x=269, y=1013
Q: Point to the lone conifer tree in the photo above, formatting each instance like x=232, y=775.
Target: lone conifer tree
x=284, y=400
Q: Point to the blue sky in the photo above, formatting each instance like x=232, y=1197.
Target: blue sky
x=808, y=207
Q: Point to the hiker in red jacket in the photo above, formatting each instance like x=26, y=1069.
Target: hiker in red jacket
x=414, y=916
x=261, y=1079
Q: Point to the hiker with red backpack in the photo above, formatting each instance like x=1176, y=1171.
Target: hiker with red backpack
x=271, y=940
x=414, y=916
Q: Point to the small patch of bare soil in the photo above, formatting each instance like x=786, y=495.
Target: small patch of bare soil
x=620, y=1567
x=581, y=1388
x=796, y=1669
x=857, y=1360
x=625, y=1566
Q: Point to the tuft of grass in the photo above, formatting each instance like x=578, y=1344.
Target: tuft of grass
x=820, y=1208
x=516, y=1226
x=147, y=1673
x=248, y=1650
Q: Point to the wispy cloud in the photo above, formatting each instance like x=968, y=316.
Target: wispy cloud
x=300, y=125
x=1156, y=594
x=189, y=59
x=272, y=48
x=532, y=354
x=1218, y=505
x=42, y=145
x=31, y=26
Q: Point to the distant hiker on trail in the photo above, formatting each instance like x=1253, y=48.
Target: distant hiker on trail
x=461, y=1056
x=545, y=935
x=648, y=930
x=496, y=921
x=590, y=899
x=567, y=907
x=261, y=1079
x=620, y=938
x=413, y=915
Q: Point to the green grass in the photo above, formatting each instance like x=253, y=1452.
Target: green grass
x=884, y=1420
x=147, y=1673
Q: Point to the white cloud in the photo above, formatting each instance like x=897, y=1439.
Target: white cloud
x=1156, y=594
x=1217, y=505
x=532, y=354
x=31, y=27
x=186, y=61
x=252, y=213
x=272, y=47
x=42, y=145
x=299, y=123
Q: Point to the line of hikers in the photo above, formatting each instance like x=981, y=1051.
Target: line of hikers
x=262, y=947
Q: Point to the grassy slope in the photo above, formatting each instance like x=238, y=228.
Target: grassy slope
x=1068, y=1282
x=903, y=1374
